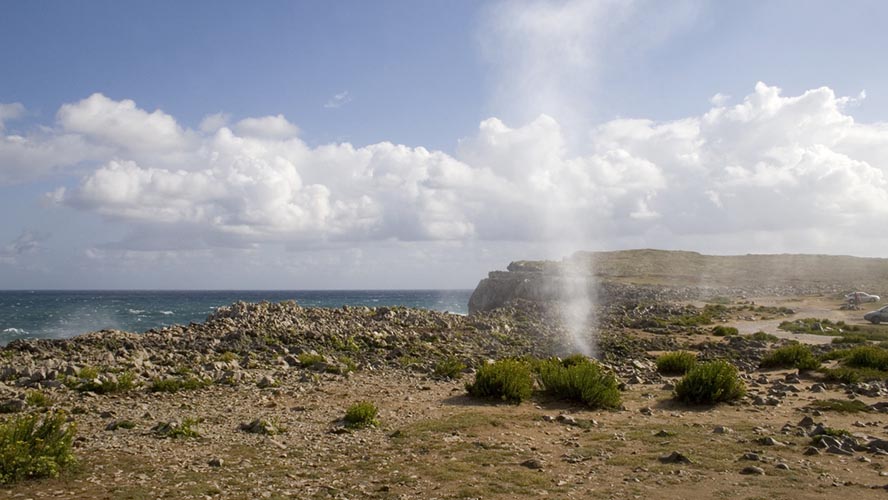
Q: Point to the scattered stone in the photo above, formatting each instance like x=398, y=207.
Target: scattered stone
x=215, y=462
x=752, y=470
x=260, y=426
x=782, y=466
x=12, y=406
x=675, y=458
x=566, y=419
x=532, y=463
x=721, y=429
x=754, y=457
x=769, y=441
x=266, y=381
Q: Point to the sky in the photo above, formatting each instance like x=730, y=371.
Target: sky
x=403, y=144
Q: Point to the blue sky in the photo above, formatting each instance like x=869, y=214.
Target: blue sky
x=421, y=144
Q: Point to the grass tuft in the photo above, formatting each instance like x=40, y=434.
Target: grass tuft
x=31, y=447
x=791, y=356
x=450, y=368
x=724, y=331
x=581, y=380
x=361, y=415
x=840, y=405
x=762, y=336
x=507, y=379
x=676, y=363
x=710, y=382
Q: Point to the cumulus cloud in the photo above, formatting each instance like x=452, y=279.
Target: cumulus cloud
x=769, y=164
x=269, y=127
x=121, y=124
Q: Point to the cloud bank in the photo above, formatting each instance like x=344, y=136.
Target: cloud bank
x=769, y=164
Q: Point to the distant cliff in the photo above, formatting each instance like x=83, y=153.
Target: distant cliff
x=679, y=274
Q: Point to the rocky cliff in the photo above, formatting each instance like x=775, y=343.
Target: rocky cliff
x=660, y=274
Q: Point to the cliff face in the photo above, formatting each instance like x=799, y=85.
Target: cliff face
x=678, y=275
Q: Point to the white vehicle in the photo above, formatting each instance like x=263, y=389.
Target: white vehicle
x=861, y=297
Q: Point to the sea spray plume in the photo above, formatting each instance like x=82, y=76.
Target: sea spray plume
x=577, y=300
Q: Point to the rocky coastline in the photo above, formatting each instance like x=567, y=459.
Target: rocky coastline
x=249, y=403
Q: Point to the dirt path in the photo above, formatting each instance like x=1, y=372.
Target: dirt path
x=815, y=307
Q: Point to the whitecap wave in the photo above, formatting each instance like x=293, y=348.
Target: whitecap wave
x=166, y=313
x=135, y=311
x=16, y=331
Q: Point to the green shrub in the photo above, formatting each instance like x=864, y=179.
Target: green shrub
x=848, y=375
x=867, y=357
x=834, y=354
x=580, y=380
x=711, y=382
x=850, y=339
x=362, y=414
x=31, y=447
x=791, y=356
x=38, y=398
x=449, y=368
x=506, y=379
x=174, y=384
x=227, y=357
x=676, y=363
x=88, y=373
x=307, y=359
x=765, y=337
x=724, y=331
x=574, y=359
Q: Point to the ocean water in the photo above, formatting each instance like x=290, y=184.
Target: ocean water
x=62, y=314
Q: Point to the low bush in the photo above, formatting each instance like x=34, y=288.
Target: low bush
x=711, y=382
x=850, y=339
x=31, y=447
x=676, y=363
x=841, y=405
x=847, y=375
x=791, y=356
x=38, y=399
x=581, y=380
x=867, y=357
x=507, y=379
x=307, y=359
x=362, y=414
x=449, y=368
x=762, y=336
x=724, y=331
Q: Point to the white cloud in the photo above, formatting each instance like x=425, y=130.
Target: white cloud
x=770, y=164
x=214, y=122
x=339, y=100
x=269, y=127
x=121, y=124
x=10, y=111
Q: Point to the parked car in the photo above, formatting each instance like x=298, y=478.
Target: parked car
x=861, y=297
x=877, y=316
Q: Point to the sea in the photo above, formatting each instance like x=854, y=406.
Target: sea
x=63, y=314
